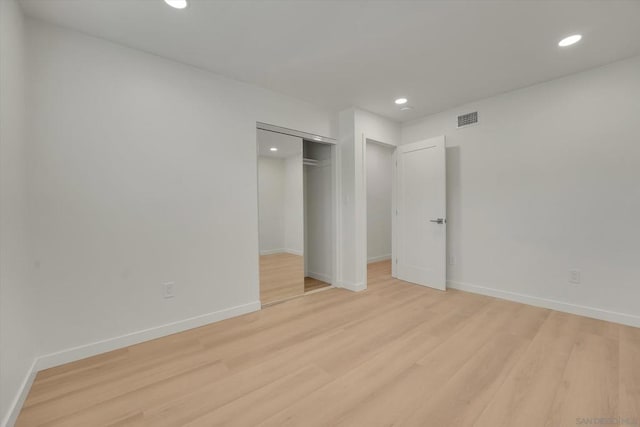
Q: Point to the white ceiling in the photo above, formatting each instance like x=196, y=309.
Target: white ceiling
x=287, y=145
x=337, y=54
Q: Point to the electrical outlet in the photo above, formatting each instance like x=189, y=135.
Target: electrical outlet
x=574, y=277
x=452, y=259
x=168, y=289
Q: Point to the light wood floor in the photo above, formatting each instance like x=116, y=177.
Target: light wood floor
x=311, y=284
x=396, y=354
x=281, y=277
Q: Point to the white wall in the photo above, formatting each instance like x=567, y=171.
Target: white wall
x=294, y=204
x=377, y=128
x=379, y=182
x=355, y=127
x=18, y=341
x=143, y=170
x=345, y=256
x=281, y=205
x=548, y=181
x=271, y=202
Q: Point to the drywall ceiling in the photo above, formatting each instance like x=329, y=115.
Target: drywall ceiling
x=338, y=54
x=287, y=145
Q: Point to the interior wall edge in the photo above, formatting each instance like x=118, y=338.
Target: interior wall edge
x=366, y=126
x=562, y=306
x=20, y=397
x=353, y=286
x=319, y=276
x=19, y=337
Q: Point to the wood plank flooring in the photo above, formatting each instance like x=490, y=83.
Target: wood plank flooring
x=281, y=277
x=396, y=354
x=311, y=284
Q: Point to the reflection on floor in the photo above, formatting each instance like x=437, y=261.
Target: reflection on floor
x=281, y=277
x=311, y=284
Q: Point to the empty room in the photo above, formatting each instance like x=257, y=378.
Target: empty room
x=319, y=213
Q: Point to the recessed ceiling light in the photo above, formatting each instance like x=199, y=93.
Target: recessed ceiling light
x=273, y=149
x=568, y=41
x=178, y=4
x=401, y=101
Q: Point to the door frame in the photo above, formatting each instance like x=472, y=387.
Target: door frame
x=361, y=205
x=361, y=208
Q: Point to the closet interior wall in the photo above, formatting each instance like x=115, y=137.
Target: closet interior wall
x=318, y=211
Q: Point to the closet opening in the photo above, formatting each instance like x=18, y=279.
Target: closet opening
x=379, y=181
x=318, y=215
x=295, y=213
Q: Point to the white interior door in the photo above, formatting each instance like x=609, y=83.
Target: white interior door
x=421, y=226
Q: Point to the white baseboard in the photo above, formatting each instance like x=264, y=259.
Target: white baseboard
x=273, y=251
x=354, y=287
x=88, y=350
x=16, y=405
x=378, y=258
x=581, y=310
x=294, y=252
x=319, y=276
x=281, y=251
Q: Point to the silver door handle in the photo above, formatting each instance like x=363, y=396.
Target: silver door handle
x=439, y=221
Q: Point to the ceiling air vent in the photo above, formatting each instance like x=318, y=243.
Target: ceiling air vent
x=468, y=119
